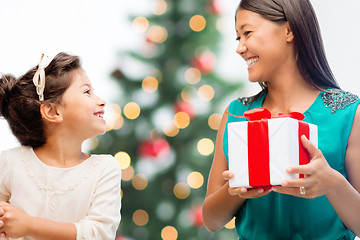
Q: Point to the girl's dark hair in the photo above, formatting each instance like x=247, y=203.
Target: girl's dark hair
x=309, y=48
x=19, y=102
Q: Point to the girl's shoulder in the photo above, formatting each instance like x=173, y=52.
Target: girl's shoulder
x=11, y=154
x=107, y=161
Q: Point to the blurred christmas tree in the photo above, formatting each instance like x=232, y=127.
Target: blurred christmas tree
x=163, y=128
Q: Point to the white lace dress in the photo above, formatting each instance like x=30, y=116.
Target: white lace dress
x=87, y=194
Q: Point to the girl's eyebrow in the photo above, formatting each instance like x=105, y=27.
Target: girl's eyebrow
x=86, y=85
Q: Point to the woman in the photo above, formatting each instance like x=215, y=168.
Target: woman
x=280, y=41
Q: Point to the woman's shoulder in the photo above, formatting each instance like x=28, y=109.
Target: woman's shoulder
x=242, y=104
x=338, y=99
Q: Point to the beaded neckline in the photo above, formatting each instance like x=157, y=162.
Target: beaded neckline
x=334, y=99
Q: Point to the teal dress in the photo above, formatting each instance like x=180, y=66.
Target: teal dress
x=279, y=216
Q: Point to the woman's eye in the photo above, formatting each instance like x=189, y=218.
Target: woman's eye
x=237, y=39
x=247, y=33
x=88, y=91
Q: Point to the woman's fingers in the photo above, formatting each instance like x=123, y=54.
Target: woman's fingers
x=227, y=175
x=248, y=192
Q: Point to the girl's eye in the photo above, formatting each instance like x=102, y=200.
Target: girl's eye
x=87, y=91
x=238, y=39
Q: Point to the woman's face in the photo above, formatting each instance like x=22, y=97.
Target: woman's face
x=264, y=45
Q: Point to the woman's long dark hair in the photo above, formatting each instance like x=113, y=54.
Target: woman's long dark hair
x=309, y=48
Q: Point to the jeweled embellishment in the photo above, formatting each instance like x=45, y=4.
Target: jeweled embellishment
x=338, y=99
x=245, y=100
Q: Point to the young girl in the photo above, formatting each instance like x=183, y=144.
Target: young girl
x=49, y=188
x=281, y=43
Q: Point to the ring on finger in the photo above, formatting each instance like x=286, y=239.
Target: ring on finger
x=302, y=191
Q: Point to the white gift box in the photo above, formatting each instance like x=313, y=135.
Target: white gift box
x=283, y=136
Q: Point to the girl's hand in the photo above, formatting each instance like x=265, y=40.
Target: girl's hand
x=15, y=223
x=318, y=175
x=244, y=192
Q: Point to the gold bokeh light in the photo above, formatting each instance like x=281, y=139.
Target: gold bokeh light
x=127, y=174
x=192, y=75
x=197, y=23
x=160, y=7
x=205, y=146
x=131, y=110
x=181, y=190
x=195, y=180
x=214, y=121
x=230, y=224
x=206, y=93
x=169, y=233
x=140, y=24
x=140, y=217
x=157, y=34
x=181, y=119
x=170, y=129
x=139, y=182
x=150, y=84
x=123, y=159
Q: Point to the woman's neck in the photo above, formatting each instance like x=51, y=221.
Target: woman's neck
x=293, y=94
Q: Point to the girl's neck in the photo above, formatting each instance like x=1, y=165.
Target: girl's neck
x=60, y=153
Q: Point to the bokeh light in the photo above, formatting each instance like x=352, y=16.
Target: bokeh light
x=181, y=119
x=150, y=84
x=139, y=182
x=140, y=24
x=186, y=93
x=140, y=217
x=206, y=93
x=181, y=190
x=197, y=23
x=92, y=143
x=195, y=180
x=127, y=174
x=214, y=121
x=131, y=110
x=170, y=129
x=123, y=159
x=165, y=210
x=192, y=75
x=230, y=224
x=113, y=117
x=205, y=146
x=157, y=34
x=169, y=233
x=159, y=7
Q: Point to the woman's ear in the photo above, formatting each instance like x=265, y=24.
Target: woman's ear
x=289, y=33
x=51, y=113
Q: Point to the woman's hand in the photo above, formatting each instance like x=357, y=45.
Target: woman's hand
x=244, y=192
x=14, y=223
x=318, y=179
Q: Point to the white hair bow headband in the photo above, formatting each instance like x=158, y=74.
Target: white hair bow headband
x=39, y=77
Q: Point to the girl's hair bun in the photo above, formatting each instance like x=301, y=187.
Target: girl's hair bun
x=7, y=82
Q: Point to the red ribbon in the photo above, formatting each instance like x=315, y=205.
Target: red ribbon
x=258, y=144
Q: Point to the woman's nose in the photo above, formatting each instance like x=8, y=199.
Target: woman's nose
x=241, y=48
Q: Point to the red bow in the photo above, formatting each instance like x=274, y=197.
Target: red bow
x=264, y=113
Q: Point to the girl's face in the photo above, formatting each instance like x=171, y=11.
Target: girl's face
x=263, y=44
x=82, y=110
